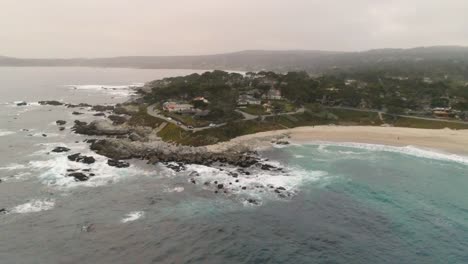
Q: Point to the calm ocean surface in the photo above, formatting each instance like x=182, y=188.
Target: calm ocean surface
x=350, y=203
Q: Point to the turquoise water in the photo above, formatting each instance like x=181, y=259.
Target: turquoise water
x=407, y=208
x=350, y=203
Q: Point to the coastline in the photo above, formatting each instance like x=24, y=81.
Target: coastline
x=441, y=140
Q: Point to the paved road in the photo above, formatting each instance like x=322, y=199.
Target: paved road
x=248, y=116
x=408, y=116
x=152, y=111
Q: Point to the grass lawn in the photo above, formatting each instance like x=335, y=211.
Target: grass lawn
x=421, y=123
x=141, y=118
x=350, y=117
x=254, y=110
x=188, y=120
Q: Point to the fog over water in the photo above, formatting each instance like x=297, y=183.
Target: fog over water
x=89, y=28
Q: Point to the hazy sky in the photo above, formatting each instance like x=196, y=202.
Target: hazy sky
x=97, y=28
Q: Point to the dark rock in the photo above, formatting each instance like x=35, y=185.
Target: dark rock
x=220, y=186
x=54, y=103
x=60, y=149
x=193, y=181
x=281, y=188
x=207, y=183
x=3, y=211
x=118, y=164
x=244, y=188
x=96, y=128
x=117, y=120
x=76, y=113
x=83, y=159
x=99, y=114
x=91, y=141
x=78, y=105
x=252, y=201
x=121, y=111
x=79, y=176
x=267, y=167
x=61, y=128
x=44, y=135
x=60, y=122
x=87, y=170
x=282, y=142
x=237, y=180
x=21, y=104
x=102, y=108
x=70, y=170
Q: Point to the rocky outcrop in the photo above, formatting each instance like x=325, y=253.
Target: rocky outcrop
x=76, y=113
x=60, y=149
x=118, y=163
x=99, y=128
x=117, y=120
x=21, y=104
x=79, y=176
x=60, y=122
x=160, y=151
x=102, y=108
x=54, y=103
x=83, y=159
x=81, y=105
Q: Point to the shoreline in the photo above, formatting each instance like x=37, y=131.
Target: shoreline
x=439, y=140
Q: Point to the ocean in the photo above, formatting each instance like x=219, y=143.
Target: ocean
x=345, y=202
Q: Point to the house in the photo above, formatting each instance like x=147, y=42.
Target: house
x=201, y=99
x=245, y=100
x=273, y=94
x=174, y=107
x=442, y=112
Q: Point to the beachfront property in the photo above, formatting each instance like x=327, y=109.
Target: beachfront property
x=174, y=107
x=442, y=112
x=273, y=94
x=201, y=99
x=245, y=100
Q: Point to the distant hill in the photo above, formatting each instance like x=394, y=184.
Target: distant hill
x=448, y=59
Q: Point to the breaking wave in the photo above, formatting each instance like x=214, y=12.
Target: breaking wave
x=132, y=216
x=34, y=206
x=406, y=150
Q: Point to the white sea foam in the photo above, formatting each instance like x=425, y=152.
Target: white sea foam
x=53, y=171
x=5, y=132
x=175, y=189
x=260, y=184
x=116, y=90
x=13, y=166
x=407, y=150
x=34, y=206
x=132, y=216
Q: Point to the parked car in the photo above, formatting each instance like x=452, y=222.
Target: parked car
x=212, y=125
x=169, y=118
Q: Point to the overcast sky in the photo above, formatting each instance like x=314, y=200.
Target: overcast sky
x=99, y=28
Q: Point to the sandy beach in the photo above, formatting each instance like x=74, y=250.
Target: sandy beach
x=442, y=140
